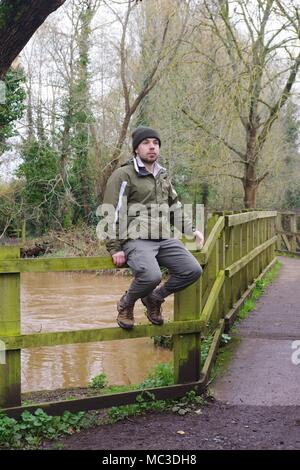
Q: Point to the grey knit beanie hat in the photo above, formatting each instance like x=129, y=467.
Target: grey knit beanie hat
x=141, y=133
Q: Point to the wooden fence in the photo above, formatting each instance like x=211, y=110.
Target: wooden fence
x=239, y=248
x=288, y=230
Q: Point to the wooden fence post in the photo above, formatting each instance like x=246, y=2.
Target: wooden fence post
x=222, y=265
x=10, y=371
x=212, y=271
x=269, y=235
x=244, y=252
x=293, y=229
x=256, y=237
x=260, y=237
x=187, y=348
x=251, y=247
x=266, y=238
x=229, y=234
x=272, y=234
x=278, y=228
x=236, y=279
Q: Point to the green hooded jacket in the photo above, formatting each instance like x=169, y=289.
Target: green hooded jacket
x=141, y=206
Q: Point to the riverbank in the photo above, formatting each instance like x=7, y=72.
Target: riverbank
x=81, y=241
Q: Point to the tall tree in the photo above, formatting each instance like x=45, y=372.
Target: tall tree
x=82, y=115
x=160, y=59
x=19, y=19
x=11, y=105
x=262, y=66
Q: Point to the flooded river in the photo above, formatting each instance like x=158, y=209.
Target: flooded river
x=70, y=301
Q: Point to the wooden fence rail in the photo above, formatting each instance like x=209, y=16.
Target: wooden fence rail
x=239, y=248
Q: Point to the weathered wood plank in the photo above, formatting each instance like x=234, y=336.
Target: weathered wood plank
x=279, y=229
x=200, y=256
x=287, y=243
x=261, y=230
x=213, y=350
x=251, y=266
x=100, y=334
x=212, y=238
x=235, y=267
x=222, y=265
x=186, y=348
x=237, y=219
x=10, y=325
x=107, y=401
x=293, y=228
x=256, y=244
x=245, y=251
x=266, y=214
x=288, y=233
x=213, y=270
x=212, y=298
x=229, y=247
x=56, y=264
x=236, y=279
x=90, y=263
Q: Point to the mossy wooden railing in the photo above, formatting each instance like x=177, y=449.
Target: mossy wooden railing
x=239, y=248
x=288, y=231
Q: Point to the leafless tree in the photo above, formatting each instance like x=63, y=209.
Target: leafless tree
x=261, y=41
x=19, y=21
x=163, y=55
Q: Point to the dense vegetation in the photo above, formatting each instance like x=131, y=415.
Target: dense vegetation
x=216, y=78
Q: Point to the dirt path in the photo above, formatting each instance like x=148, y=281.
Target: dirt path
x=257, y=400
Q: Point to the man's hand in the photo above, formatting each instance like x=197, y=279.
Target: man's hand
x=119, y=258
x=199, y=239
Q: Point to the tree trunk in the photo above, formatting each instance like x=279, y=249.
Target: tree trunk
x=250, y=180
x=18, y=22
x=250, y=195
x=83, y=117
x=250, y=185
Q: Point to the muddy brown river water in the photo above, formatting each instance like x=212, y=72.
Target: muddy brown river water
x=70, y=301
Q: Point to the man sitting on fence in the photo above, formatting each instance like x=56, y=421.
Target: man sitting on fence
x=143, y=201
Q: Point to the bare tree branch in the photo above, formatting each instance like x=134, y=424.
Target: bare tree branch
x=279, y=104
x=224, y=141
x=19, y=21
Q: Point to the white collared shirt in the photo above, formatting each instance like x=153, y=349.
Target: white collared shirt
x=156, y=166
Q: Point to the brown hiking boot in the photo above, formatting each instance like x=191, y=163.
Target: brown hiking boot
x=154, y=309
x=125, y=317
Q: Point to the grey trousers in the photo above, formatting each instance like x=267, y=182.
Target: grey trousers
x=144, y=258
